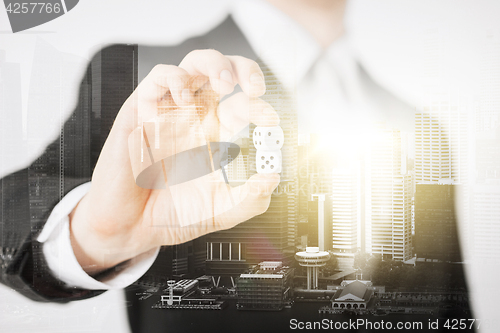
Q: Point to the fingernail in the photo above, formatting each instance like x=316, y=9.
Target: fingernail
x=256, y=79
x=226, y=76
x=186, y=95
x=268, y=111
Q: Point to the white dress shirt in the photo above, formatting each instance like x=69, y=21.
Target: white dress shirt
x=328, y=97
x=62, y=261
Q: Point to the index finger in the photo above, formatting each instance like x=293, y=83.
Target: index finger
x=142, y=104
x=239, y=110
x=212, y=64
x=249, y=75
x=225, y=72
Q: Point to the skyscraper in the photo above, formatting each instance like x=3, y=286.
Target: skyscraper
x=12, y=147
x=485, y=232
x=435, y=222
x=272, y=235
x=12, y=143
x=443, y=134
x=389, y=191
x=441, y=140
x=319, y=222
x=345, y=216
x=485, y=198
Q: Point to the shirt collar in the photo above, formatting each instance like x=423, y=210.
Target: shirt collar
x=276, y=38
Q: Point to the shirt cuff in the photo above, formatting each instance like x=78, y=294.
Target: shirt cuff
x=62, y=262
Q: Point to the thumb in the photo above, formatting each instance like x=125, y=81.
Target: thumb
x=248, y=200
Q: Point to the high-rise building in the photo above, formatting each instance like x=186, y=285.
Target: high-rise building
x=237, y=168
x=443, y=130
x=304, y=181
x=283, y=102
x=389, y=192
x=314, y=176
x=12, y=143
x=12, y=148
x=114, y=67
x=441, y=146
x=265, y=287
x=272, y=235
x=187, y=259
x=436, y=234
x=346, y=219
x=108, y=81
x=485, y=232
x=262, y=238
x=319, y=222
x=488, y=117
x=486, y=191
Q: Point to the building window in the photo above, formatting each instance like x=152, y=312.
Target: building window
x=225, y=251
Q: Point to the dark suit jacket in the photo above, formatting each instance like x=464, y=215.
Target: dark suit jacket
x=28, y=196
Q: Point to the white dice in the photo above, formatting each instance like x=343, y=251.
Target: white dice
x=268, y=141
x=268, y=138
x=268, y=161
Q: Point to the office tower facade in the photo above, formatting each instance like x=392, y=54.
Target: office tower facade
x=443, y=132
x=262, y=238
x=114, y=67
x=487, y=122
x=436, y=234
x=315, y=163
x=389, y=191
x=304, y=192
x=237, y=168
x=272, y=235
x=12, y=148
x=485, y=232
x=441, y=139
x=486, y=190
x=319, y=222
x=488, y=117
x=12, y=142
x=265, y=287
x=314, y=177
x=187, y=259
x=109, y=79
x=283, y=102
x=346, y=221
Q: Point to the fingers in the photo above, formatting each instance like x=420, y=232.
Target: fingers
x=249, y=75
x=176, y=86
x=258, y=187
x=213, y=65
x=225, y=72
x=218, y=206
x=162, y=83
x=163, y=79
x=238, y=111
x=249, y=200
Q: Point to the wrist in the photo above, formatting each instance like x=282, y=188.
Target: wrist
x=94, y=251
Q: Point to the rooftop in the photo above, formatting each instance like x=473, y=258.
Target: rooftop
x=354, y=291
x=267, y=269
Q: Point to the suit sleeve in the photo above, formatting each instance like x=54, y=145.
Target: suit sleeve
x=27, y=197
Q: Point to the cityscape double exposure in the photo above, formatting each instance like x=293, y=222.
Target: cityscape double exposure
x=370, y=218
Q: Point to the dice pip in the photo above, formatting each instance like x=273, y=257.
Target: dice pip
x=268, y=138
x=268, y=141
x=268, y=161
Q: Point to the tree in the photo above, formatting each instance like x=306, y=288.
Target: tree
x=331, y=265
x=360, y=260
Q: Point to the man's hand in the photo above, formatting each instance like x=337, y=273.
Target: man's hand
x=118, y=220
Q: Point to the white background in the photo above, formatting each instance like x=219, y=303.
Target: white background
x=389, y=35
